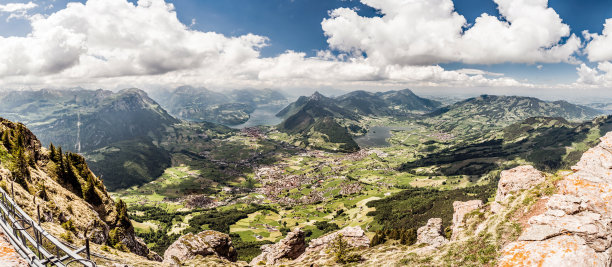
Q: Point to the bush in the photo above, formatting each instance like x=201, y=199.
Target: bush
x=68, y=225
x=326, y=227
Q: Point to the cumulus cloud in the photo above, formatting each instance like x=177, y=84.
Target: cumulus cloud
x=427, y=32
x=107, y=43
x=17, y=7
x=600, y=76
x=598, y=49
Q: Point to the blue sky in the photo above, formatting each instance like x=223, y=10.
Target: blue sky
x=297, y=25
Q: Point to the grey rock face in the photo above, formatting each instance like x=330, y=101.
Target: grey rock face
x=431, y=233
x=290, y=247
x=204, y=243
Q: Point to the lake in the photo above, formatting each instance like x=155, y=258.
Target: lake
x=377, y=136
x=262, y=116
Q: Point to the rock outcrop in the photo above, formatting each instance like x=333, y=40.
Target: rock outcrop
x=431, y=233
x=460, y=210
x=576, y=229
x=290, y=247
x=519, y=178
x=354, y=236
x=205, y=243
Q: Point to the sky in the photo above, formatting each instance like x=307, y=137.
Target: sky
x=429, y=45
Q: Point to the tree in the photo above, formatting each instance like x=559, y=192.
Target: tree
x=342, y=252
x=249, y=183
x=52, y=152
x=6, y=139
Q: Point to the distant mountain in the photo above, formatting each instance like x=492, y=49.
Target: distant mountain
x=83, y=120
x=547, y=143
x=362, y=103
x=315, y=116
x=475, y=115
x=391, y=103
x=229, y=108
x=317, y=105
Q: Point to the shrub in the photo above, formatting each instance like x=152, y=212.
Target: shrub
x=68, y=225
x=342, y=252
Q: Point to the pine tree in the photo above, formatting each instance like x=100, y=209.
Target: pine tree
x=52, y=152
x=89, y=192
x=6, y=139
x=60, y=156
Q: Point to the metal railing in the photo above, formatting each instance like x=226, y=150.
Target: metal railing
x=32, y=242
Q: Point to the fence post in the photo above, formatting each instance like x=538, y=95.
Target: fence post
x=87, y=247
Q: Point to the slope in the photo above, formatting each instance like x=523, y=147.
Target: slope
x=73, y=201
x=481, y=114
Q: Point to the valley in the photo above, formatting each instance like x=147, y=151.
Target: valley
x=320, y=164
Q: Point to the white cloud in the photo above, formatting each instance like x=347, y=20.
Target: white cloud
x=430, y=31
x=601, y=76
x=116, y=38
x=112, y=43
x=599, y=47
x=17, y=7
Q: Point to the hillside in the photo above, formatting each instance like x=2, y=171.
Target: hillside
x=547, y=143
x=390, y=103
x=314, y=119
x=228, y=108
x=480, y=114
x=73, y=200
x=84, y=120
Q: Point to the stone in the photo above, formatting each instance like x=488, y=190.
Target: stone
x=559, y=251
x=576, y=229
x=460, y=209
x=431, y=233
x=354, y=236
x=519, y=178
x=204, y=244
x=291, y=247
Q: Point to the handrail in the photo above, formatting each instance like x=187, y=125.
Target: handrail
x=32, y=242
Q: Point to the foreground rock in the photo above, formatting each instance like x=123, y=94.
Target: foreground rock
x=290, y=247
x=431, y=233
x=576, y=229
x=205, y=243
x=460, y=210
x=316, y=252
x=513, y=180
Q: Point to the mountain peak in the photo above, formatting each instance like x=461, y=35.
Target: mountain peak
x=316, y=96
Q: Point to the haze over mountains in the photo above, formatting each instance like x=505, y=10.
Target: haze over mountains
x=109, y=127
x=189, y=160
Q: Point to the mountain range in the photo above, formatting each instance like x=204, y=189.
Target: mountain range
x=228, y=108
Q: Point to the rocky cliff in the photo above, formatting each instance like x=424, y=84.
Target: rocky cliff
x=575, y=228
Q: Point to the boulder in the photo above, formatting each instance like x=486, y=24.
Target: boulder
x=431, y=233
x=290, y=247
x=204, y=243
x=519, y=178
x=354, y=236
x=460, y=209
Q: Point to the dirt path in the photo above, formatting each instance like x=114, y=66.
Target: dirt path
x=8, y=256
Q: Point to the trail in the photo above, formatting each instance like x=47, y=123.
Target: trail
x=8, y=256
